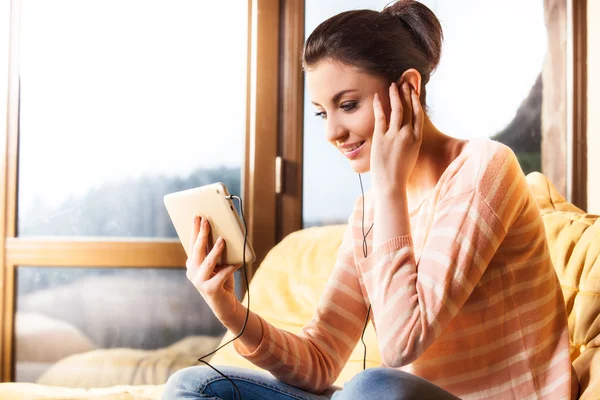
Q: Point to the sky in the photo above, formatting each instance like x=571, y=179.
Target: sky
x=123, y=88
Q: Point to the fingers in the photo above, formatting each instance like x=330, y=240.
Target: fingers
x=202, y=241
x=397, y=108
x=406, y=96
x=210, y=262
x=380, y=120
x=220, y=277
x=202, y=269
x=419, y=115
x=199, y=247
x=194, y=234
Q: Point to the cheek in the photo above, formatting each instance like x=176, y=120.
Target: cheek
x=364, y=122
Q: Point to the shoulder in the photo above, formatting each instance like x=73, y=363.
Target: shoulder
x=491, y=172
x=500, y=178
x=484, y=166
x=498, y=162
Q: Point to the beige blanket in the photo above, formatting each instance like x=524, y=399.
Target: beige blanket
x=32, y=391
x=112, y=374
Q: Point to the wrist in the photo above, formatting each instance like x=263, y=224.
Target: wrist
x=389, y=197
x=231, y=319
x=390, y=191
x=391, y=216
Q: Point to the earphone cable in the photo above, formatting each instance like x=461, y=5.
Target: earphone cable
x=201, y=359
x=365, y=248
x=244, y=269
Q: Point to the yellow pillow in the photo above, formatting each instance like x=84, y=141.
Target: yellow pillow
x=546, y=196
x=574, y=241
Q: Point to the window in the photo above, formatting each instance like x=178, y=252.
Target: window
x=488, y=85
x=83, y=312
x=120, y=103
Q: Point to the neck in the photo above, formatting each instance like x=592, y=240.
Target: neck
x=436, y=153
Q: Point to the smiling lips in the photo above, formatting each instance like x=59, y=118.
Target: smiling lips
x=351, y=150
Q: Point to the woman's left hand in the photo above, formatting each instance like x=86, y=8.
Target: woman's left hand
x=395, y=146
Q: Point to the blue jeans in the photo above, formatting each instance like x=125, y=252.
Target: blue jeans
x=374, y=383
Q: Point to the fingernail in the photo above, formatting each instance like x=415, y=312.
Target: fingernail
x=220, y=241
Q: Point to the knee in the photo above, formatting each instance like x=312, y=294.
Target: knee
x=186, y=382
x=376, y=377
x=383, y=383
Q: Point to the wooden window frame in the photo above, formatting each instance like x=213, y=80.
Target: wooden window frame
x=289, y=202
x=8, y=170
x=577, y=102
x=258, y=179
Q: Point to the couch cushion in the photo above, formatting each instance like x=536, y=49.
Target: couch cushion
x=287, y=287
x=546, y=196
x=574, y=241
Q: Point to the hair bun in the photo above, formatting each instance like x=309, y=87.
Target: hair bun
x=399, y=7
x=418, y=19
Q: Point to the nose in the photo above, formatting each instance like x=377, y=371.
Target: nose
x=334, y=130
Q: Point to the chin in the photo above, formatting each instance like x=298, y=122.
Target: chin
x=360, y=167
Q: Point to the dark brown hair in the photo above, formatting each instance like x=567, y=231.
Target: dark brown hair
x=406, y=34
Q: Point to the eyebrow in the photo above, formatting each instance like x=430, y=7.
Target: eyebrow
x=338, y=95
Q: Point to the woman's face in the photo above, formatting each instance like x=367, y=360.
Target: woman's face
x=343, y=97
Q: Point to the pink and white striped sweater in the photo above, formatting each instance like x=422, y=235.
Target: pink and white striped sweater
x=470, y=302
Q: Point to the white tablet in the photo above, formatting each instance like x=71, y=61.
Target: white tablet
x=210, y=202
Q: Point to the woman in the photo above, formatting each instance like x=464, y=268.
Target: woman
x=456, y=274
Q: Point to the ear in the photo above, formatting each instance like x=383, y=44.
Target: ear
x=413, y=78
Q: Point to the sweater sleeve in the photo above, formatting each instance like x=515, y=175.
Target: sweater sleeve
x=413, y=301
x=313, y=359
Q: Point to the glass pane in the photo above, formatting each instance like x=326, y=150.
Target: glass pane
x=488, y=85
x=67, y=319
x=123, y=101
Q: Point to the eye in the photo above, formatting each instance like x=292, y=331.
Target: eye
x=321, y=114
x=349, y=105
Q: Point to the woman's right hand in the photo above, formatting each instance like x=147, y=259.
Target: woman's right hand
x=214, y=282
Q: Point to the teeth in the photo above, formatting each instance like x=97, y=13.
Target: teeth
x=352, y=148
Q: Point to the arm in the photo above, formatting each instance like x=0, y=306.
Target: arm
x=414, y=301
x=313, y=359
x=390, y=216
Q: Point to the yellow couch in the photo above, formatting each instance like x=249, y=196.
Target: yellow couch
x=287, y=286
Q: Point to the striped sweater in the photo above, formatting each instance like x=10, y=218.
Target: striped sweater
x=470, y=302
